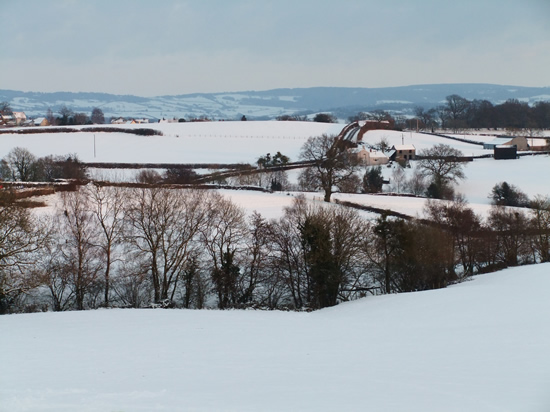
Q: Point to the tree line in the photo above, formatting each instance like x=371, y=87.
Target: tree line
x=104, y=246
x=460, y=113
x=150, y=246
x=67, y=117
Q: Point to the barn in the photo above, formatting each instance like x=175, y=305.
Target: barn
x=502, y=152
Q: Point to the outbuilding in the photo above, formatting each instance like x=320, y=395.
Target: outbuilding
x=503, y=152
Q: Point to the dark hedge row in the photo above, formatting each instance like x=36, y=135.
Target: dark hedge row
x=233, y=166
x=100, y=129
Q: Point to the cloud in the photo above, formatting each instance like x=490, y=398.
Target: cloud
x=174, y=47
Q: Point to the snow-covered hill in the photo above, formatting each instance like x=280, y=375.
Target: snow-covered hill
x=268, y=104
x=478, y=346
x=190, y=142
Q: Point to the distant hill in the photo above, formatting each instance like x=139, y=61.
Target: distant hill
x=341, y=101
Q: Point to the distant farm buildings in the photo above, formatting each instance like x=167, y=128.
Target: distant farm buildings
x=15, y=119
x=402, y=152
x=370, y=157
x=41, y=121
x=522, y=143
x=503, y=152
x=122, y=120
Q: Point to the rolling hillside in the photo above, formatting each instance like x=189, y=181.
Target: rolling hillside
x=478, y=346
x=268, y=104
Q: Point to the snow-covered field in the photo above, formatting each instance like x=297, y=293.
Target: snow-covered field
x=236, y=142
x=477, y=346
x=194, y=142
x=205, y=142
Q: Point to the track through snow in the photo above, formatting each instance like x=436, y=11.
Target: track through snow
x=477, y=346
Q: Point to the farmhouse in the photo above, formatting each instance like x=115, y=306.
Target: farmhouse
x=41, y=121
x=20, y=118
x=7, y=120
x=403, y=152
x=371, y=157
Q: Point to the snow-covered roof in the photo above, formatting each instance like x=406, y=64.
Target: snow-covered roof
x=361, y=123
x=501, y=140
x=404, y=147
x=377, y=154
x=536, y=142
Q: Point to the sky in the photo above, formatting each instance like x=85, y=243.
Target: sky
x=173, y=47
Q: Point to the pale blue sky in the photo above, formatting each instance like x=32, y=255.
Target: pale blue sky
x=170, y=47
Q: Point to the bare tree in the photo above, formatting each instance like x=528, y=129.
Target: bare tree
x=108, y=211
x=463, y=225
x=456, y=110
x=319, y=253
x=540, y=221
x=289, y=260
x=20, y=164
x=398, y=178
x=51, y=271
x=383, y=249
x=256, y=266
x=5, y=108
x=508, y=226
x=80, y=118
x=223, y=236
x=383, y=144
x=163, y=228
x=195, y=282
x=442, y=164
x=97, y=116
x=149, y=176
x=308, y=180
x=408, y=256
x=333, y=164
x=133, y=286
x=416, y=184
x=50, y=116
x=67, y=116
x=79, y=252
x=21, y=237
x=425, y=118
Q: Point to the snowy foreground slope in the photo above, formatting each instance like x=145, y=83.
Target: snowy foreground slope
x=479, y=346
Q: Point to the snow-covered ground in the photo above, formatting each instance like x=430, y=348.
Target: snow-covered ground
x=423, y=141
x=481, y=345
x=529, y=173
x=236, y=142
x=192, y=142
x=206, y=142
x=477, y=346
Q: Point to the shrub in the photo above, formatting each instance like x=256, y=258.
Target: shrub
x=505, y=194
x=373, y=180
